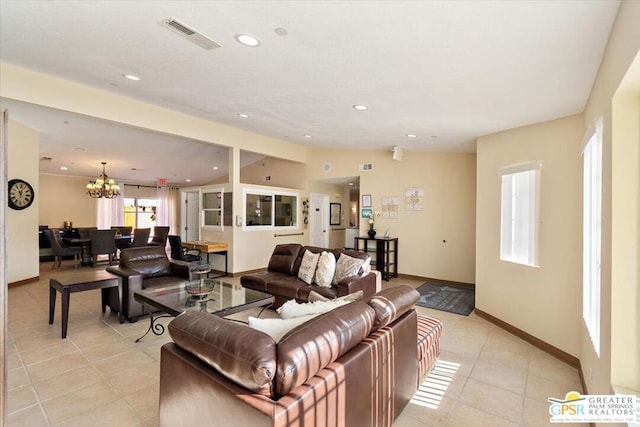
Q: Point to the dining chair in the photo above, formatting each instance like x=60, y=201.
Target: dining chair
x=140, y=237
x=83, y=232
x=103, y=242
x=180, y=253
x=159, y=237
x=59, y=249
x=124, y=230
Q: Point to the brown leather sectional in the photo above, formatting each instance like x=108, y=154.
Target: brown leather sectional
x=357, y=365
x=141, y=268
x=281, y=278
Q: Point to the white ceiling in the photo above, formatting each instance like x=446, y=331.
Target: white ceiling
x=446, y=71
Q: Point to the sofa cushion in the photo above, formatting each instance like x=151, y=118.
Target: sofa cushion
x=149, y=261
x=157, y=281
x=391, y=303
x=284, y=257
x=310, y=347
x=326, y=269
x=242, y=354
x=347, y=266
x=262, y=280
x=308, y=267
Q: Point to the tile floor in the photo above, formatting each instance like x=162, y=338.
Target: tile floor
x=99, y=376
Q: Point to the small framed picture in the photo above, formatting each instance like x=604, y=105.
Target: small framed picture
x=366, y=200
x=336, y=213
x=366, y=213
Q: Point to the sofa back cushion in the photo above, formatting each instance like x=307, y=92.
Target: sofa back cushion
x=310, y=347
x=391, y=303
x=149, y=261
x=284, y=257
x=242, y=354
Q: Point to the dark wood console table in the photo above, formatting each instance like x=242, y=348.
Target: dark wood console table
x=383, y=252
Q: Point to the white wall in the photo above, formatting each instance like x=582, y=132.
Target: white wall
x=625, y=241
x=22, y=226
x=63, y=199
x=543, y=301
x=449, y=206
x=622, y=49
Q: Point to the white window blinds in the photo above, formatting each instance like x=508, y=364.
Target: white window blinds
x=519, y=216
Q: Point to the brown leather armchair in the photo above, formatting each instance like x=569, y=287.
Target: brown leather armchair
x=142, y=268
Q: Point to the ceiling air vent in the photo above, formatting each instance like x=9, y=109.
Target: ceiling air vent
x=189, y=33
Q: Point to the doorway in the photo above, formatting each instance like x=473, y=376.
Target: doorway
x=190, y=216
x=319, y=220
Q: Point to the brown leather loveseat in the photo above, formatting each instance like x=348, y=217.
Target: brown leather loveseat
x=356, y=365
x=281, y=278
x=144, y=267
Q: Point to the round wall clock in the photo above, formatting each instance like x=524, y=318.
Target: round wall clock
x=21, y=194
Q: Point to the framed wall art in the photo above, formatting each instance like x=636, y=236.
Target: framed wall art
x=335, y=213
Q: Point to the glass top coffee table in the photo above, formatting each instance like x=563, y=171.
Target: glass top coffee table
x=210, y=295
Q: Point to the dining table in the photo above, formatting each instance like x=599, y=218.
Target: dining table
x=85, y=245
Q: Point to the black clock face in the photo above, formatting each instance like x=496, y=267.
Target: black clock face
x=20, y=194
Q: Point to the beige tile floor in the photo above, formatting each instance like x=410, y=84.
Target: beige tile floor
x=99, y=376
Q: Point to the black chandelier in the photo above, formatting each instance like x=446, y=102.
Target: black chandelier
x=103, y=186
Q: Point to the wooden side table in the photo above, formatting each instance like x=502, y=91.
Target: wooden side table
x=72, y=282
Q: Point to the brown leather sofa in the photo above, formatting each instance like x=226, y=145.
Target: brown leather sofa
x=281, y=278
x=356, y=365
x=144, y=267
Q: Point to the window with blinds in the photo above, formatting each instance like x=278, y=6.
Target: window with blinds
x=519, y=214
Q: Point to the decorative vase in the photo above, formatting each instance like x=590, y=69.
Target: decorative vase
x=371, y=233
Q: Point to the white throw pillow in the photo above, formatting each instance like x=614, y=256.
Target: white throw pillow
x=346, y=267
x=326, y=269
x=308, y=266
x=314, y=296
x=277, y=328
x=293, y=309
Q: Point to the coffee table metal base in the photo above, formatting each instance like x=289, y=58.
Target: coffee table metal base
x=156, y=328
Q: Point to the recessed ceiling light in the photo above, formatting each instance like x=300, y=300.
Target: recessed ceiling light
x=63, y=168
x=281, y=31
x=412, y=135
x=244, y=116
x=66, y=122
x=131, y=77
x=360, y=107
x=188, y=180
x=434, y=136
x=351, y=183
x=307, y=136
x=215, y=168
x=247, y=40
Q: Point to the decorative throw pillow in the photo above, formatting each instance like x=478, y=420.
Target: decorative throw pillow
x=346, y=267
x=326, y=269
x=308, y=267
x=292, y=309
x=277, y=328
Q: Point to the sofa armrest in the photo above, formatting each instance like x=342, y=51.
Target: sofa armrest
x=122, y=271
x=131, y=283
x=181, y=269
x=365, y=283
